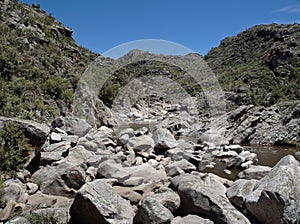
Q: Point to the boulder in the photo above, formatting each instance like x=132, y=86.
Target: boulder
x=47, y=158
x=248, y=156
x=97, y=202
x=224, y=181
x=138, y=160
x=79, y=155
x=192, y=219
x=147, y=172
x=239, y=190
x=18, y=220
x=177, y=154
x=111, y=169
x=40, y=201
x=236, y=148
x=224, y=154
x=168, y=198
x=141, y=144
x=254, y=172
x=141, y=131
x=31, y=188
x=133, y=181
x=95, y=140
x=246, y=165
x=235, y=162
x=124, y=135
x=14, y=190
x=60, y=180
x=126, y=131
x=181, y=179
x=58, y=147
x=35, y=132
x=177, y=167
x=163, y=139
x=11, y=209
x=88, y=106
x=185, y=145
x=276, y=197
x=151, y=211
x=207, y=198
x=72, y=125
x=55, y=137
x=92, y=145
x=216, y=139
x=123, y=139
x=72, y=139
x=128, y=193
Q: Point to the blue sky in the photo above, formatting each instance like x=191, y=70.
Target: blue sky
x=101, y=25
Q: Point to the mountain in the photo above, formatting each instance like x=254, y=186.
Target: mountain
x=261, y=65
x=40, y=63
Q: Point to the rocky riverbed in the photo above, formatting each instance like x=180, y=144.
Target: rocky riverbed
x=152, y=172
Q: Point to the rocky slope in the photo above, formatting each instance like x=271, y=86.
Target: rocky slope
x=260, y=65
x=40, y=63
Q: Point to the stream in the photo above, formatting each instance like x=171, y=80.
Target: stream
x=266, y=155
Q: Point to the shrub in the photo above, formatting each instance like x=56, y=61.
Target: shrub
x=43, y=219
x=14, y=149
x=276, y=95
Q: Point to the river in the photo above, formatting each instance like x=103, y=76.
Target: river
x=266, y=155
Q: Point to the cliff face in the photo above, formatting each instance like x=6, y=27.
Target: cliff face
x=260, y=65
x=40, y=63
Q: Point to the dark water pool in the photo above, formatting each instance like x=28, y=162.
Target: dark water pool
x=267, y=156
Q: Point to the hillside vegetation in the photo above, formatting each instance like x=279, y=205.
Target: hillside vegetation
x=147, y=68
x=260, y=65
x=40, y=63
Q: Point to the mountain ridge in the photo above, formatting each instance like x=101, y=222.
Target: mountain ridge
x=261, y=65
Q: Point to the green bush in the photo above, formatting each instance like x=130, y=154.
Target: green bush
x=43, y=219
x=276, y=95
x=59, y=89
x=14, y=149
x=287, y=142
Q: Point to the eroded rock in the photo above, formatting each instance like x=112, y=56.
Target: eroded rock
x=276, y=197
x=97, y=202
x=151, y=211
x=207, y=198
x=193, y=219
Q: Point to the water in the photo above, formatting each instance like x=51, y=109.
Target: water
x=267, y=156
x=270, y=155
